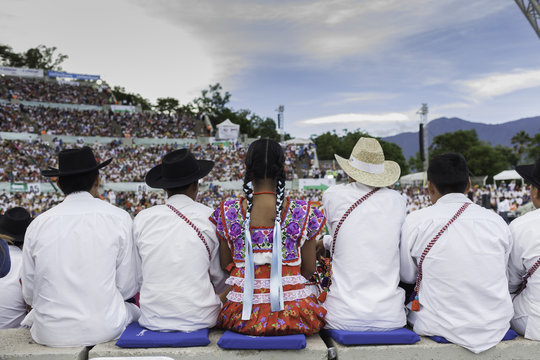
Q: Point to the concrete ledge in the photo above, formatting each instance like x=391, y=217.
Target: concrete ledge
x=17, y=344
x=519, y=348
x=315, y=349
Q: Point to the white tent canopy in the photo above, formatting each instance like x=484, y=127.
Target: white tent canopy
x=227, y=130
x=298, y=141
x=507, y=175
x=412, y=179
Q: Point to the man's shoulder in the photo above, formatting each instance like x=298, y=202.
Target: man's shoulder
x=526, y=219
x=110, y=209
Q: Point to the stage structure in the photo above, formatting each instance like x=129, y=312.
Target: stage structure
x=531, y=10
x=280, y=122
x=423, y=135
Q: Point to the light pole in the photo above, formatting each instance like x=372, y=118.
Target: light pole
x=423, y=135
x=280, y=122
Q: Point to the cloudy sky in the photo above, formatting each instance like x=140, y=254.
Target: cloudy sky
x=333, y=64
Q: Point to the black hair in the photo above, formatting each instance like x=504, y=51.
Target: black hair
x=179, y=189
x=265, y=159
x=80, y=182
x=449, y=173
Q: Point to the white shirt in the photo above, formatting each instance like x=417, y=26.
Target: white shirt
x=12, y=305
x=364, y=294
x=464, y=292
x=178, y=280
x=525, y=253
x=78, y=267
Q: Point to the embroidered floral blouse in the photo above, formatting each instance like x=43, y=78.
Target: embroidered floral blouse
x=301, y=221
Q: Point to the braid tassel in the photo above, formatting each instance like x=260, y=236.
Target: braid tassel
x=249, y=266
x=276, y=285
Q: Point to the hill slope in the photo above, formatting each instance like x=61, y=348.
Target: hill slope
x=496, y=134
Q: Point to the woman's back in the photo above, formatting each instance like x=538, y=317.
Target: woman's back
x=266, y=244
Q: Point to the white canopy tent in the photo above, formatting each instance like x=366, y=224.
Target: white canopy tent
x=415, y=179
x=298, y=141
x=227, y=130
x=507, y=175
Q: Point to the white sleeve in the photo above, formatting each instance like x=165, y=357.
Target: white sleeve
x=28, y=267
x=516, y=266
x=408, y=267
x=217, y=275
x=127, y=269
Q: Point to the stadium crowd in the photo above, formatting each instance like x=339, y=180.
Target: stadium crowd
x=135, y=201
x=55, y=121
x=41, y=90
x=23, y=159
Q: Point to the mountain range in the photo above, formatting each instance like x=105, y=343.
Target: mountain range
x=496, y=134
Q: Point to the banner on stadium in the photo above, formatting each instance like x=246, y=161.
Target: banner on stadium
x=123, y=108
x=227, y=130
x=22, y=72
x=321, y=184
x=61, y=74
x=25, y=187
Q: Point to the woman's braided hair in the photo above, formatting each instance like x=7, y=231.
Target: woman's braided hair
x=265, y=159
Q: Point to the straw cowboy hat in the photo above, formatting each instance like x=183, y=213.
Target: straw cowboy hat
x=178, y=168
x=75, y=162
x=531, y=173
x=367, y=165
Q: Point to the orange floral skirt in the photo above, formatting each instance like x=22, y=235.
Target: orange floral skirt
x=301, y=315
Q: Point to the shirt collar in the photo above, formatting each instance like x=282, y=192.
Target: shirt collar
x=453, y=198
x=361, y=186
x=79, y=195
x=179, y=200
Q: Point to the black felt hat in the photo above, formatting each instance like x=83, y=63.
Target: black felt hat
x=178, y=168
x=531, y=173
x=74, y=162
x=14, y=223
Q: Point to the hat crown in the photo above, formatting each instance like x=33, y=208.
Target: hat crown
x=368, y=150
x=75, y=159
x=536, y=172
x=179, y=164
x=15, y=221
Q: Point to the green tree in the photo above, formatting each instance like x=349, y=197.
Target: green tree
x=267, y=129
x=327, y=145
x=43, y=57
x=519, y=143
x=40, y=57
x=10, y=58
x=482, y=158
x=124, y=97
x=213, y=100
x=533, y=148
x=167, y=105
x=415, y=163
x=458, y=141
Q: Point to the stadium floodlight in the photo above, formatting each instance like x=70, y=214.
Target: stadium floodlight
x=423, y=135
x=531, y=10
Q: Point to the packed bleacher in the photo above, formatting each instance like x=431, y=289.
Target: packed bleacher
x=51, y=91
x=24, y=159
x=57, y=121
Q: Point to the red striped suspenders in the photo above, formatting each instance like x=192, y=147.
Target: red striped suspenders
x=416, y=304
x=199, y=233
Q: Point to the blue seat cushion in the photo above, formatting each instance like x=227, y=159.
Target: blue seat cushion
x=510, y=335
x=398, y=336
x=232, y=340
x=135, y=336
